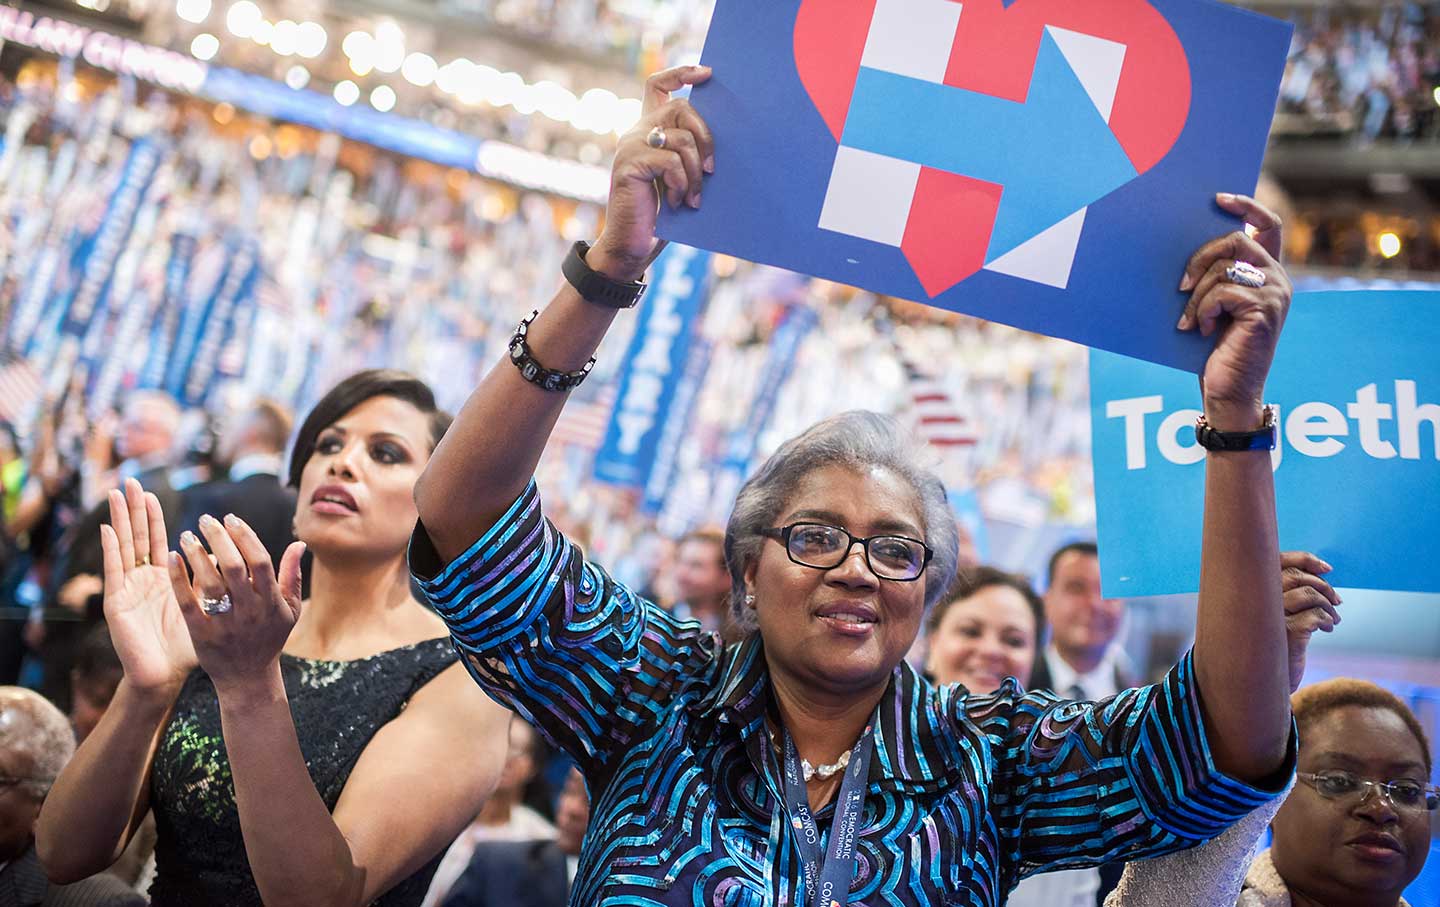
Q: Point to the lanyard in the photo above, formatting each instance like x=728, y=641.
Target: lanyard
x=827, y=884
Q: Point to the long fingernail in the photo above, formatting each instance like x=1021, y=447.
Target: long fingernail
x=188, y=538
x=1187, y=283
x=709, y=164
x=1226, y=197
x=1324, y=565
x=208, y=521
x=695, y=200
x=233, y=521
x=1183, y=324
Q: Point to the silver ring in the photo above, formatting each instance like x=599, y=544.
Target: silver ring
x=656, y=138
x=219, y=605
x=1245, y=274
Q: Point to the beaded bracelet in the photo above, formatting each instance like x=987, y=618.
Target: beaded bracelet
x=531, y=369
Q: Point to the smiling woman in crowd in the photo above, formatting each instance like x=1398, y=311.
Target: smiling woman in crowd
x=292, y=753
x=807, y=764
x=987, y=628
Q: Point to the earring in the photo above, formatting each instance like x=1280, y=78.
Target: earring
x=750, y=601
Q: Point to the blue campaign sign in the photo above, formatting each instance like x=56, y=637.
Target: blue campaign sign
x=1357, y=468
x=654, y=365
x=1048, y=164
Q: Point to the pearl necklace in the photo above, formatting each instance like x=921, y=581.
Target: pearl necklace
x=824, y=772
x=811, y=772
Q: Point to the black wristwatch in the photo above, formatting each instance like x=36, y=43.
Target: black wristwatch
x=1262, y=438
x=596, y=287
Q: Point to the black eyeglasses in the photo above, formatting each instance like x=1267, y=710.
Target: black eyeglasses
x=1402, y=794
x=892, y=557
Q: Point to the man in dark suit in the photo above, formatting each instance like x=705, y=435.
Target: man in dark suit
x=145, y=440
x=1081, y=660
x=251, y=450
x=513, y=874
x=36, y=745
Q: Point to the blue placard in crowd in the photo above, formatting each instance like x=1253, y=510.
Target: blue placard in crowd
x=1357, y=469
x=654, y=365
x=1047, y=164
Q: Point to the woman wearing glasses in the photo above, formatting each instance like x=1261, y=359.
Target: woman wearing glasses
x=1354, y=832
x=808, y=764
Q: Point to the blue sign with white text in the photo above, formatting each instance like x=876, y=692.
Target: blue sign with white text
x=1044, y=163
x=654, y=364
x=1357, y=467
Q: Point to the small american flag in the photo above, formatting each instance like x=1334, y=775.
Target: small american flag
x=20, y=390
x=937, y=420
x=583, y=422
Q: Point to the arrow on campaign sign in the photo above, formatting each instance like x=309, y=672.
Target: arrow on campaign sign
x=895, y=115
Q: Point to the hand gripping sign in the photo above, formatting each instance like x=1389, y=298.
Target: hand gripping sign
x=1357, y=465
x=1049, y=164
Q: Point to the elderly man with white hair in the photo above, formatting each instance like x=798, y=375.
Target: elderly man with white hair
x=146, y=441
x=35, y=743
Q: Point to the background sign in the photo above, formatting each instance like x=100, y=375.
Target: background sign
x=654, y=365
x=1357, y=469
x=1043, y=163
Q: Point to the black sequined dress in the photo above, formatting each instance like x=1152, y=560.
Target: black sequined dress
x=337, y=705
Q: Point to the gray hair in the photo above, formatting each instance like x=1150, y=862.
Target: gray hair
x=856, y=440
x=37, y=736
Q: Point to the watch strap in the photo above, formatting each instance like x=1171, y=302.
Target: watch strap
x=596, y=287
x=1262, y=438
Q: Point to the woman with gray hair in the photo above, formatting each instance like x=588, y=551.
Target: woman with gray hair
x=808, y=764
x=35, y=743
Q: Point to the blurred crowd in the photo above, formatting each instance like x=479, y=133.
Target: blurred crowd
x=1370, y=72
x=361, y=259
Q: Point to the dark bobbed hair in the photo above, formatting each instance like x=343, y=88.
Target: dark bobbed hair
x=971, y=580
x=355, y=390
x=1310, y=704
x=1089, y=549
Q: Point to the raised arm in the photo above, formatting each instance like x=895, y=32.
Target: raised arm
x=444, y=752
x=103, y=794
x=489, y=454
x=1240, y=663
x=1214, y=872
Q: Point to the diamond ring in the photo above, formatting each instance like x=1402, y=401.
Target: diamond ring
x=219, y=605
x=1245, y=274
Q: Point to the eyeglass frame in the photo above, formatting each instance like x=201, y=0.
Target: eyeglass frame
x=1430, y=793
x=781, y=534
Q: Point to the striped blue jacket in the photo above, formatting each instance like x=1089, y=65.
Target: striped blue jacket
x=967, y=793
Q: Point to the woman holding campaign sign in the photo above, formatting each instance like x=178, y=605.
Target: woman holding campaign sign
x=808, y=764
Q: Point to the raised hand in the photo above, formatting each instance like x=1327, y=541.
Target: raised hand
x=145, y=622
x=1310, y=604
x=238, y=612
x=1248, y=319
x=641, y=170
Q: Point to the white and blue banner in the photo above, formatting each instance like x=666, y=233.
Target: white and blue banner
x=96, y=258
x=1357, y=465
x=232, y=301
x=672, y=435
x=172, y=305
x=654, y=365
x=785, y=342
